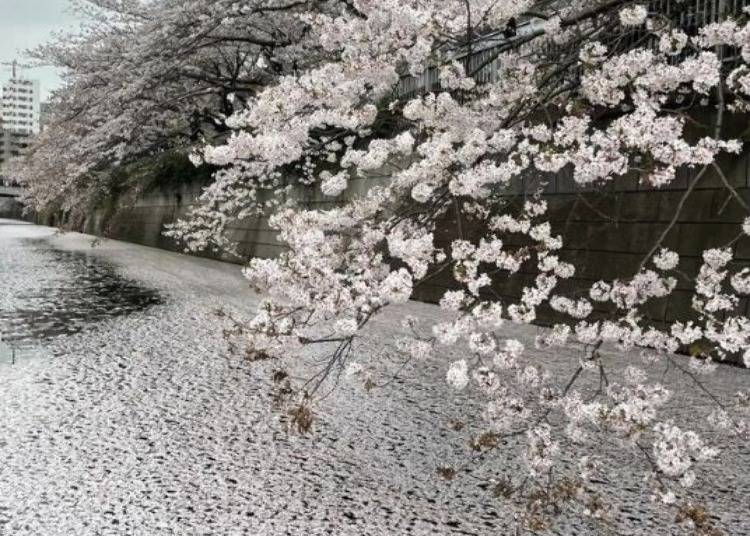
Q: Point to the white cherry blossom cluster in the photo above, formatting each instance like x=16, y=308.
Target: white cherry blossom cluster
x=634, y=15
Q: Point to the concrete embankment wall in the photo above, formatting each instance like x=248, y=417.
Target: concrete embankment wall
x=11, y=208
x=609, y=230
x=143, y=221
x=609, y=233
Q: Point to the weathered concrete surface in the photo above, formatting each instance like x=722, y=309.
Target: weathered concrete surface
x=608, y=236
x=144, y=220
x=608, y=230
x=11, y=208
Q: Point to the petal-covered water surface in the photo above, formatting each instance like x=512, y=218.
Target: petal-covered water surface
x=143, y=424
x=48, y=292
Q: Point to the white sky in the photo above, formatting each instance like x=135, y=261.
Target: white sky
x=27, y=23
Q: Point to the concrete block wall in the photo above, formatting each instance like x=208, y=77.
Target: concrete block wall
x=144, y=220
x=608, y=230
x=11, y=208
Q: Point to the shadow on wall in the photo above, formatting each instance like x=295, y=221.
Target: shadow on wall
x=143, y=222
x=11, y=208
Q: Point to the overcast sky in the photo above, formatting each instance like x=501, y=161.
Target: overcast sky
x=27, y=23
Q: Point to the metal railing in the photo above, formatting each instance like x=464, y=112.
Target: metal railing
x=11, y=191
x=688, y=15
x=481, y=62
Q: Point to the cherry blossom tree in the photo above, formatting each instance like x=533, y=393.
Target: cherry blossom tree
x=439, y=107
x=144, y=78
x=602, y=88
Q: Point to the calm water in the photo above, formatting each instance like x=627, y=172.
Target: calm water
x=51, y=293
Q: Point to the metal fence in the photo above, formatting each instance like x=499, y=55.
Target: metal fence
x=482, y=62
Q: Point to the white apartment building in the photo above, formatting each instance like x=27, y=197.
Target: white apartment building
x=19, y=118
x=20, y=106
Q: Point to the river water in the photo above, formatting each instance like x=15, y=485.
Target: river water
x=125, y=415
x=48, y=292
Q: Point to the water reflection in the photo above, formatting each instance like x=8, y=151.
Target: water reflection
x=73, y=291
x=9, y=353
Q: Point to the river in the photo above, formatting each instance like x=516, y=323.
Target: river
x=123, y=413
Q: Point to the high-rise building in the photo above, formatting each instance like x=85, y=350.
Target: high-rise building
x=12, y=144
x=19, y=116
x=20, y=106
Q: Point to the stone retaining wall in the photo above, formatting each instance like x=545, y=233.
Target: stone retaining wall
x=143, y=221
x=608, y=232
x=11, y=208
